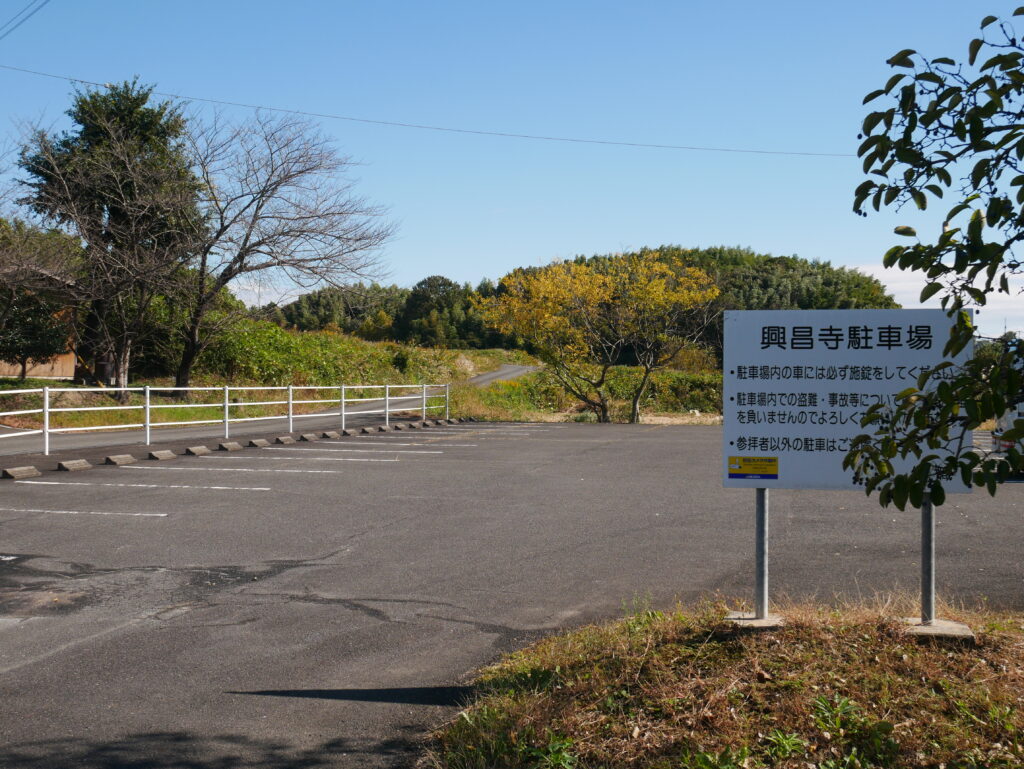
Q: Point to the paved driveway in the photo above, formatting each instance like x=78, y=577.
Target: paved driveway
x=322, y=604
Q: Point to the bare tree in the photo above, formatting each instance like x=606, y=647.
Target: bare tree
x=276, y=207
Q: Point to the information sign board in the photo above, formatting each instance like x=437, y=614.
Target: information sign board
x=797, y=382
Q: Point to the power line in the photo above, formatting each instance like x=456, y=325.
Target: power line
x=446, y=129
x=15, y=16
x=10, y=21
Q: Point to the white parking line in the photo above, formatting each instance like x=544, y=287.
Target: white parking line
x=318, y=459
x=148, y=485
x=79, y=512
x=229, y=469
x=357, y=451
x=463, y=433
x=370, y=443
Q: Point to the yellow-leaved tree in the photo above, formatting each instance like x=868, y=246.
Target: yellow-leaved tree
x=583, y=317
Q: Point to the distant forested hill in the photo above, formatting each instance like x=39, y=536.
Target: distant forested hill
x=438, y=312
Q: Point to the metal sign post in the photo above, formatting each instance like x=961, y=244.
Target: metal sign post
x=761, y=554
x=927, y=562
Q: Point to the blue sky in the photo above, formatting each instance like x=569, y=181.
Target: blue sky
x=782, y=76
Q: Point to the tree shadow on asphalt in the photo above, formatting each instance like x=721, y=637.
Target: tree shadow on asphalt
x=449, y=696
x=181, y=750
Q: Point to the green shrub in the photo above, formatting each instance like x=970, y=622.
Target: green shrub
x=262, y=352
x=669, y=390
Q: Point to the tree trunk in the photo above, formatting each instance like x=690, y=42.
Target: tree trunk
x=638, y=394
x=24, y=369
x=189, y=353
x=122, y=357
x=91, y=343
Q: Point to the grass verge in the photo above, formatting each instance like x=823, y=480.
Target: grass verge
x=833, y=689
x=672, y=396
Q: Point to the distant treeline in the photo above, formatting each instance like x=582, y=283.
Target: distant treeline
x=438, y=312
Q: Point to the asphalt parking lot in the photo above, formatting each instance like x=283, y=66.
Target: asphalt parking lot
x=322, y=604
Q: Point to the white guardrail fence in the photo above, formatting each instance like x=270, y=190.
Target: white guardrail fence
x=424, y=398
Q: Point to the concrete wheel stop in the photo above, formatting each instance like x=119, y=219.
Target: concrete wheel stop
x=259, y=443
x=284, y=439
x=197, y=451
x=309, y=437
x=73, y=465
x=162, y=455
x=17, y=473
x=331, y=434
x=120, y=459
x=229, y=446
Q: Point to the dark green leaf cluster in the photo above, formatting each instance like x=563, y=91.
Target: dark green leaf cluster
x=949, y=128
x=927, y=428
x=32, y=329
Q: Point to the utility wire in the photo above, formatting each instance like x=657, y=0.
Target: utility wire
x=15, y=16
x=10, y=21
x=422, y=127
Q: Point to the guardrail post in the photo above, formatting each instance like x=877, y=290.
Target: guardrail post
x=343, y=407
x=145, y=413
x=423, y=410
x=227, y=409
x=387, y=405
x=446, y=391
x=291, y=410
x=46, y=420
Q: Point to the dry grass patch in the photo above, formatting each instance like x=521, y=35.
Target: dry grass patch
x=834, y=689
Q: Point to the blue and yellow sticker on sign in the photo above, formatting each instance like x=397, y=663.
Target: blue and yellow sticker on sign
x=754, y=468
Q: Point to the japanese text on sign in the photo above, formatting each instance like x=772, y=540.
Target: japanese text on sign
x=796, y=385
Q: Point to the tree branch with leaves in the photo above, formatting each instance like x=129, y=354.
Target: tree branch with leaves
x=954, y=129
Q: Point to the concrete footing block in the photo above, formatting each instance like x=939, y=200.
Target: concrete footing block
x=229, y=446
x=748, y=621
x=284, y=439
x=120, y=459
x=197, y=451
x=331, y=434
x=73, y=465
x=259, y=443
x=26, y=471
x=162, y=456
x=309, y=437
x=941, y=629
